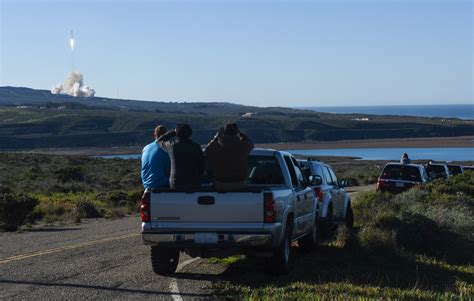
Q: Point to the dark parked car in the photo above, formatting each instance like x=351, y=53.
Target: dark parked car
x=437, y=171
x=398, y=177
x=455, y=169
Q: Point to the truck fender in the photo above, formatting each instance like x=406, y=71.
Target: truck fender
x=287, y=212
x=324, y=209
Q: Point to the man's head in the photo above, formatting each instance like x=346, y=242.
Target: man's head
x=159, y=131
x=231, y=129
x=183, y=130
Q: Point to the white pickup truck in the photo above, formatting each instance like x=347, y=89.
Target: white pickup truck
x=276, y=208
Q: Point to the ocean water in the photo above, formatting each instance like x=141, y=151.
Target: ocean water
x=462, y=111
x=390, y=154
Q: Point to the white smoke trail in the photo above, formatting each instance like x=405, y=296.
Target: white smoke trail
x=71, y=43
x=73, y=86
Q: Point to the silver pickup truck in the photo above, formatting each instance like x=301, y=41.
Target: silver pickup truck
x=276, y=208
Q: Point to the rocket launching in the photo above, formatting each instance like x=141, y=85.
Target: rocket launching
x=71, y=41
x=73, y=84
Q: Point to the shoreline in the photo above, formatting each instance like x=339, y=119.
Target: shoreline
x=457, y=142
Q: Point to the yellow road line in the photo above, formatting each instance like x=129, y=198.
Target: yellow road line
x=65, y=248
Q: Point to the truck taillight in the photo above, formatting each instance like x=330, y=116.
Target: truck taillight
x=269, y=210
x=319, y=194
x=145, y=207
x=379, y=185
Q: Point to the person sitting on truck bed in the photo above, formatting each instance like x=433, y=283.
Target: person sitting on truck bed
x=155, y=163
x=187, y=159
x=227, y=157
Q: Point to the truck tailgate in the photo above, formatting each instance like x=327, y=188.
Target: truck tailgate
x=207, y=207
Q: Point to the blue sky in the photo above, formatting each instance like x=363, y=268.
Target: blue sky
x=266, y=53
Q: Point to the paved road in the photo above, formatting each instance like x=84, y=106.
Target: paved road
x=99, y=259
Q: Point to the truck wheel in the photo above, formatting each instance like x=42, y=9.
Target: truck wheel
x=327, y=227
x=310, y=241
x=349, y=220
x=164, y=260
x=283, y=260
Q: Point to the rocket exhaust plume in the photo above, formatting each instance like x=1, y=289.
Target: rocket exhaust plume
x=71, y=41
x=73, y=86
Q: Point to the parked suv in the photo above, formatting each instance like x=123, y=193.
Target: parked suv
x=455, y=169
x=398, y=177
x=334, y=202
x=437, y=171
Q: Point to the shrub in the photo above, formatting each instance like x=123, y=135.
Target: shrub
x=377, y=239
x=15, y=210
x=52, y=210
x=69, y=173
x=86, y=209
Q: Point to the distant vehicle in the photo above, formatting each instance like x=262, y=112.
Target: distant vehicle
x=455, y=169
x=437, y=171
x=470, y=168
x=276, y=208
x=398, y=177
x=334, y=202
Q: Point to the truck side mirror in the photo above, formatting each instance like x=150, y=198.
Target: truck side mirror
x=344, y=183
x=315, y=180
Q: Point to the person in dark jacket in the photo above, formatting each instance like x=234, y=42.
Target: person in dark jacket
x=405, y=159
x=227, y=158
x=187, y=159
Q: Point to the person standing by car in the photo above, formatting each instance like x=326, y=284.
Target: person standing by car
x=155, y=163
x=187, y=159
x=227, y=157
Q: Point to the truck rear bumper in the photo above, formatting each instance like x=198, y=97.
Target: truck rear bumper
x=223, y=240
x=267, y=237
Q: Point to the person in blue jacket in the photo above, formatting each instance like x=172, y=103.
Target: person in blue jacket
x=156, y=163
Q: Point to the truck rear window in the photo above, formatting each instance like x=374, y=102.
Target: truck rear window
x=401, y=172
x=264, y=170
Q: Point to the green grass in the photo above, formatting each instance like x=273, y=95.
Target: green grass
x=414, y=246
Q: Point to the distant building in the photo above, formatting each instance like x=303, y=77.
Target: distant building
x=23, y=107
x=249, y=115
x=361, y=119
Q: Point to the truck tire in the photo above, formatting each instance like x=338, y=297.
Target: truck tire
x=310, y=241
x=349, y=219
x=164, y=260
x=283, y=259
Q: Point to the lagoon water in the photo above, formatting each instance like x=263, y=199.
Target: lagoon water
x=389, y=154
x=437, y=154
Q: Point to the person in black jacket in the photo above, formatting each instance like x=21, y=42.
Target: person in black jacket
x=227, y=157
x=187, y=158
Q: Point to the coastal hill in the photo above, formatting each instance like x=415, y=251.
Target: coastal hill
x=32, y=118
